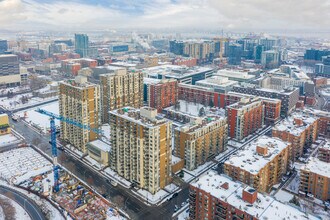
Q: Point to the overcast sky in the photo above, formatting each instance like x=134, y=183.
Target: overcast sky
x=73, y=15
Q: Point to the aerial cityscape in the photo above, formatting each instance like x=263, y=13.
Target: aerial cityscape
x=164, y=109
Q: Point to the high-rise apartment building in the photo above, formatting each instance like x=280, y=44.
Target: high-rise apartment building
x=315, y=179
x=79, y=100
x=200, y=140
x=299, y=129
x=10, y=73
x=234, y=53
x=81, y=44
x=323, y=69
x=270, y=59
x=161, y=93
x=141, y=147
x=215, y=196
x=119, y=89
x=245, y=117
x=3, y=46
x=261, y=165
x=268, y=43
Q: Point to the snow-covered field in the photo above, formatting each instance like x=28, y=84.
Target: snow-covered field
x=20, y=164
x=283, y=196
x=42, y=121
x=15, y=102
x=20, y=213
x=7, y=139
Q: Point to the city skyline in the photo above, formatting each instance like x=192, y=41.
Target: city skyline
x=25, y=15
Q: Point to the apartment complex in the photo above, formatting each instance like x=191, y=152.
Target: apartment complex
x=261, y=164
x=10, y=73
x=161, y=93
x=200, y=140
x=289, y=97
x=245, y=117
x=324, y=152
x=72, y=66
x=141, y=147
x=216, y=196
x=79, y=100
x=217, y=83
x=315, y=179
x=299, y=129
x=272, y=110
x=324, y=120
x=120, y=89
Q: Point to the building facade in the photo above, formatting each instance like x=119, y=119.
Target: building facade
x=81, y=44
x=260, y=165
x=120, y=89
x=79, y=100
x=245, y=118
x=4, y=124
x=200, y=140
x=10, y=73
x=217, y=197
x=299, y=129
x=162, y=94
x=141, y=147
x=315, y=179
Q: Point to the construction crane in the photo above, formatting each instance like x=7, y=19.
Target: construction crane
x=53, y=137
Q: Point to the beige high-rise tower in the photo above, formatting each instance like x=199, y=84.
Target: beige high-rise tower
x=120, y=89
x=141, y=147
x=79, y=100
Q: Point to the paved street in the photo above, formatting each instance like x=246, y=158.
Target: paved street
x=30, y=207
x=118, y=195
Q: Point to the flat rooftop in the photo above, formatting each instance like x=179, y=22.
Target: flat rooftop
x=289, y=124
x=145, y=116
x=317, y=166
x=217, y=81
x=100, y=145
x=245, y=103
x=175, y=71
x=200, y=123
x=252, y=162
x=265, y=207
x=233, y=73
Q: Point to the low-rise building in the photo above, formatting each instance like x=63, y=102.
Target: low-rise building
x=4, y=124
x=299, y=129
x=216, y=196
x=200, y=140
x=245, y=117
x=99, y=151
x=261, y=164
x=315, y=179
x=218, y=84
x=236, y=74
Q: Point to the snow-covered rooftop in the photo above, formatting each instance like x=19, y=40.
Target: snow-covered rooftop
x=101, y=145
x=289, y=124
x=232, y=73
x=265, y=207
x=252, y=162
x=200, y=123
x=317, y=166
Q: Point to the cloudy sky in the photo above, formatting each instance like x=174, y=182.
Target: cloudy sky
x=213, y=14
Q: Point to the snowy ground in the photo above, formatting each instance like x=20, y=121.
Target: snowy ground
x=199, y=170
x=20, y=164
x=39, y=120
x=283, y=196
x=184, y=213
x=150, y=198
x=20, y=213
x=54, y=214
x=7, y=139
x=15, y=102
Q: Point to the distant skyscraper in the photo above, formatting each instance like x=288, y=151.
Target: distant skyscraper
x=3, y=46
x=10, y=71
x=268, y=43
x=234, y=53
x=81, y=44
x=258, y=52
x=270, y=59
x=323, y=69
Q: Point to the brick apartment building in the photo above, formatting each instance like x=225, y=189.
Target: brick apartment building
x=161, y=93
x=72, y=66
x=324, y=120
x=200, y=140
x=324, y=152
x=315, y=179
x=217, y=197
x=245, y=118
x=260, y=165
x=299, y=129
